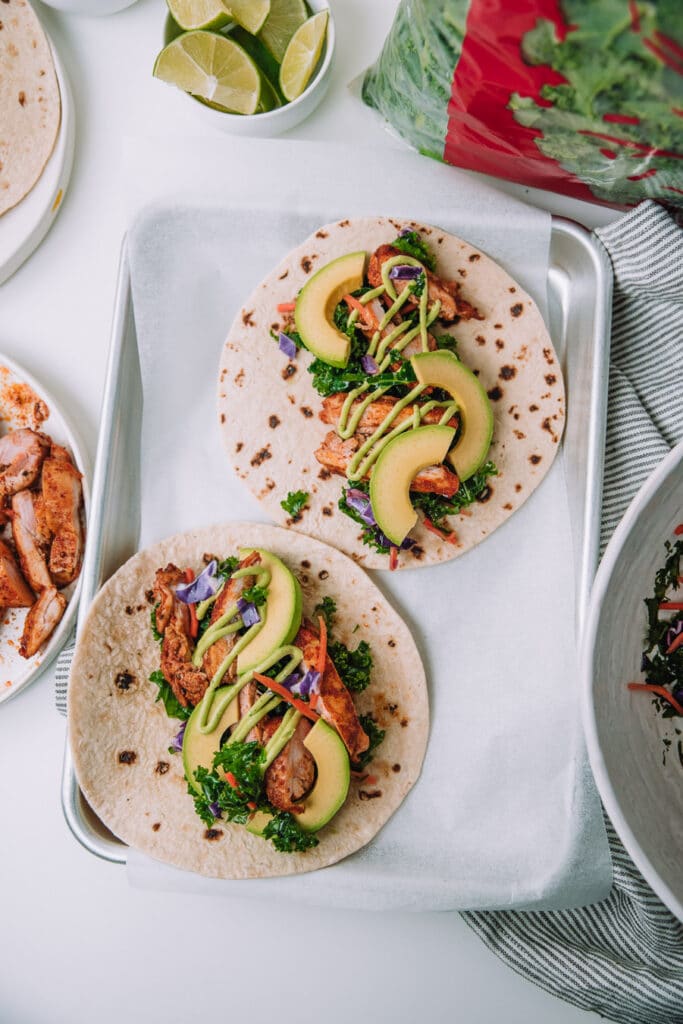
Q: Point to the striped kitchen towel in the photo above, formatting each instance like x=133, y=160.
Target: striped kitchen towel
x=623, y=957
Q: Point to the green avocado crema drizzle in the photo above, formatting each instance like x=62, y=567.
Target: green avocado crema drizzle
x=381, y=349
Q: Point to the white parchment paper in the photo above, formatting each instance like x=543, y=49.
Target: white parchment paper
x=505, y=813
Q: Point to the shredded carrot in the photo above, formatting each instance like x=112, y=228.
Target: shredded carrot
x=322, y=651
x=232, y=780
x=313, y=700
x=451, y=537
x=364, y=312
x=283, y=692
x=671, y=606
x=252, y=806
x=679, y=529
x=678, y=642
x=286, y=307
x=393, y=557
x=194, y=621
x=660, y=691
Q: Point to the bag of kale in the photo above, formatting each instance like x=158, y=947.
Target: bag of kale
x=582, y=97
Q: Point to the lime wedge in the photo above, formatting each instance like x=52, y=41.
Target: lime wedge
x=250, y=14
x=302, y=55
x=213, y=68
x=193, y=14
x=281, y=24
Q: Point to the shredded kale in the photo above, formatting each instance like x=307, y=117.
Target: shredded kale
x=286, y=834
x=227, y=566
x=244, y=762
x=375, y=735
x=436, y=507
x=328, y=380
x=412, y=245
x=354, y=667
x=211, y=787
x=660, y=668
x=174, y=709
x=255, y=595
x=327, y=609
x=294, y=502
x=448, y=342
x=153, y=619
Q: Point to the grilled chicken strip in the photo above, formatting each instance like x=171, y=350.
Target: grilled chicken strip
x=453, y=307
x=375, y=413
x=173, y=621
x=230, y=593
x=335, y=454
x=14, y=590
x=30, y=540
x=292, y=773
x=22, y=453
x=41, y=620
x=62, y=499
x=334, y=700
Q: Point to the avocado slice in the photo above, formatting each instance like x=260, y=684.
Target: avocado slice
x=331, y=785
x=317, y=302
x=397, y=466
x=282, y=612
x=442, y=369
x=199, y=747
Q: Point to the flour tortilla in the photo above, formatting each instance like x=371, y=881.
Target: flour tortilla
x=29, y=102
x=268, y=411
x=145, y=802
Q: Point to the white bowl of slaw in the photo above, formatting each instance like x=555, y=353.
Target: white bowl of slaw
x=642, y=789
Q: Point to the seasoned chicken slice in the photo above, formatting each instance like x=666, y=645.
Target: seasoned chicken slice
x=173, y=622
x=41, y=620
x=22, y=453
x=335, y=454
x=62, y=496
x=375, y=413
x=334, y=701
x=292, y=773
x=30, y=540
x=14, y=590
x=453, y=306
x=230, y=593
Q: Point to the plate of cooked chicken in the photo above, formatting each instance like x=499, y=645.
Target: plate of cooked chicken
x=43, y=502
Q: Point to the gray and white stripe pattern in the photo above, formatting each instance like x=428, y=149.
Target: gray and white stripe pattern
x=623, y=957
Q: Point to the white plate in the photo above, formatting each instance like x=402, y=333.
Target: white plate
x=23, y=228
x=625, y=734
x=17, y=672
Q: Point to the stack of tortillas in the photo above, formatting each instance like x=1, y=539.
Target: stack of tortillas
x=30, y=107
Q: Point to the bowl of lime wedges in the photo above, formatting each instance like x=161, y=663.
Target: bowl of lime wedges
x=252, y=67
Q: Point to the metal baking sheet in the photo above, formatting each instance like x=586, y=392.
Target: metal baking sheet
x=579, y=302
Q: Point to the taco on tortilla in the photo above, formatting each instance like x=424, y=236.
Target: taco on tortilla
x=392, y=390
x=243, y=702
x=29, y=101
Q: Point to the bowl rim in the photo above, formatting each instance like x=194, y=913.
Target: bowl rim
x=613, y=553
x=266, y=116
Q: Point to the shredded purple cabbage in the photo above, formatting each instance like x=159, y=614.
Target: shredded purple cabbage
x=369, y=364
x=177, y=743
x=204, y=587
x=404, y=272
x=673, y=632
x=286, y=345
x=359, y=501
x=307, y=684
x=248, y=611
x=215, y=810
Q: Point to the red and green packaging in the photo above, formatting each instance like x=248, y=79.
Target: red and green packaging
x=582, y=97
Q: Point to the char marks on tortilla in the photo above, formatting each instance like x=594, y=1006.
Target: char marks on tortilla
x=510, y=351
x=29, y=102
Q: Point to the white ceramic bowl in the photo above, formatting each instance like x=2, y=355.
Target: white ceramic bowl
x=643, y=797
x=275, y=122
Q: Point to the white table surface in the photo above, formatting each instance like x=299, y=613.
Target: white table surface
x=77, y=943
